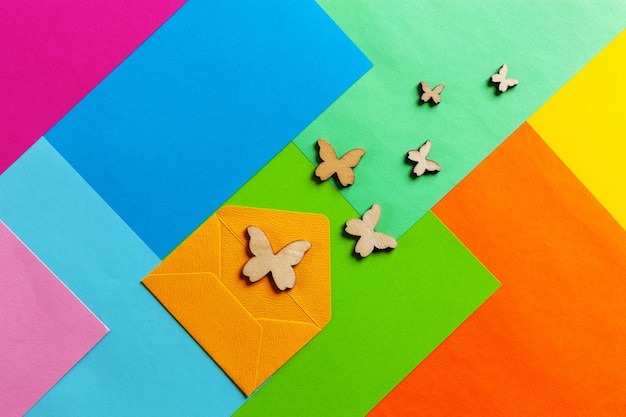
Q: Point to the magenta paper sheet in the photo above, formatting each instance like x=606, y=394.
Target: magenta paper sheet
x=53, y=52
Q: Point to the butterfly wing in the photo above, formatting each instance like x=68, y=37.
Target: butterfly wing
x=284, y=276
x=438, y=89
x=365, y=245
x=436, y=95
x=345, y=176
x=326, y=168
x=260, y=264
x=426, y=91
x=371, y=217
x=353, y=157
x=324, y=171
x=415, y=156
x=511, y=82
x=327, y=153
x=257, y=267
x=259, y=244
x=345, y=173
x=432, y=166
x=383, y=241
x=282, y=266
x=356, y=227
x=425, y=149
x=501, y=75
x=419, y=168
x=293, y=253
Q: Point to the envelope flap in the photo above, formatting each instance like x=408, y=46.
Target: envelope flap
x=200, y=252
x=281, y=340
x=215, y=319
x=309, y=300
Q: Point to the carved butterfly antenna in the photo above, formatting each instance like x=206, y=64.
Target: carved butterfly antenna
x=432, y=94
x=423, y=165
x=342, y=167
x=368, y=238
x=503, y=82
x=279, y=264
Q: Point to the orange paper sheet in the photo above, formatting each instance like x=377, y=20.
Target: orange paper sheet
x=552, y=340
x=250, y=330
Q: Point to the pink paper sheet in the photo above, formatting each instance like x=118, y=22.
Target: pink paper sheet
x=53, y=52
x=44, y=329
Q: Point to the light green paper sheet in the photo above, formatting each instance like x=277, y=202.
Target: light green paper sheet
x=390, y=310
x=460, y=44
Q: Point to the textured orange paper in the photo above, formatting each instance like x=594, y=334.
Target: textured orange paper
x=552, y=340
x=250, y=330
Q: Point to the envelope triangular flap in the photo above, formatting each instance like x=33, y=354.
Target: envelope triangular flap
x=311, y=293
x=280, y=341
x=215, y=319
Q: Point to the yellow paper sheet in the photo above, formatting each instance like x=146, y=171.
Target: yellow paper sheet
x=585, y=124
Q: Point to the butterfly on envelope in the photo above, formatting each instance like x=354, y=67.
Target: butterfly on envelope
x=332, y=165
x=368, y=238
x=503, y=82
x=423, y=165
x=279, y=264
x=433, y=94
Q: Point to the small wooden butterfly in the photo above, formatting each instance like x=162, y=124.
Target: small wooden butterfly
x=433, y=94
x=503, y=82
x=332, y=165
x=368, y=238
x=280, y=265
x=423, y=165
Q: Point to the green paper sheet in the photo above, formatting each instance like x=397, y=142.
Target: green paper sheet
x=390, y=310
x=460, y=44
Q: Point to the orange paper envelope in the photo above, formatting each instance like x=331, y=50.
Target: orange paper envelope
x=250, y=330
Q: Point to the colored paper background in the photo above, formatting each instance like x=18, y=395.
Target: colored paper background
x=460, y=44
x=551, y=340
x=147, y=365
x=54, y=52
x=45, y=329
x=584, y=124
x=431, y=280
x=151, y=367
x=201, y=106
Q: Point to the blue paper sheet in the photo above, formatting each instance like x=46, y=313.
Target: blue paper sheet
x=147, y=365
x=201, y=106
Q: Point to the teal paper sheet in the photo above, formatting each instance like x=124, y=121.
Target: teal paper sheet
x=460, y=44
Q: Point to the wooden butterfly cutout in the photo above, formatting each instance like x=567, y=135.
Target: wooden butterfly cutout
x=332, y=165
x=503, y=82
x=368, y=238
x=428, y=93
x=423, y=165
x=265, y=261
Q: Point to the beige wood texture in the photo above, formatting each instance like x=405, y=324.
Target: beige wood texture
x=368, y=238
x=280, y=265
x=433, y=94
x=423, y=165
x=503, y=82
x=342, y=167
